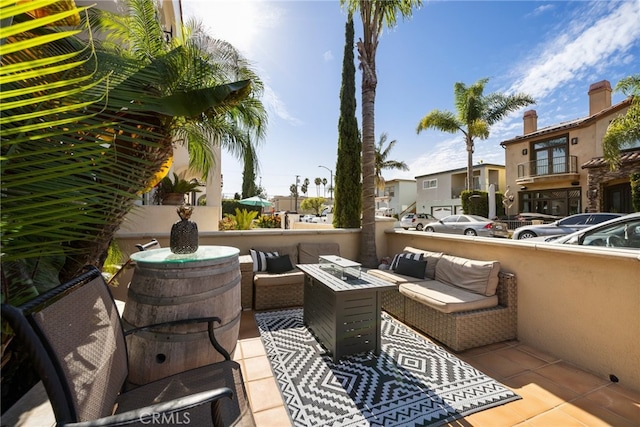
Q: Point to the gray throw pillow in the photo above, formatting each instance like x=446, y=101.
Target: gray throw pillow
x=412, y=267
x=279, y=264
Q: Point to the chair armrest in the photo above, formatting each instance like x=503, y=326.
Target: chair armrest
x=147, y=413
x=209, y=320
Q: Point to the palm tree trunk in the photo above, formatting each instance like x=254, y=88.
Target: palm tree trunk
x=368, y=255
x=469, y=164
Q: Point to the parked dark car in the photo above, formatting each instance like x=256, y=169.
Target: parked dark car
x=566, y=225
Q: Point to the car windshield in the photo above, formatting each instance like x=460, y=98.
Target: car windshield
x=478, y=218
x=625, y=234
x=574, y=220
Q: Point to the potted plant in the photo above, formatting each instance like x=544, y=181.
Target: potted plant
x=170, y=192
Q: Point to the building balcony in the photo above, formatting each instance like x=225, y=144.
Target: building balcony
x=548, y=170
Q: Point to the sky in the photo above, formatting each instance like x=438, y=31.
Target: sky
x=550, y=50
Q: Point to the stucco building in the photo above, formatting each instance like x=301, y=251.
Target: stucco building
x=559, y=170
x=439, y=193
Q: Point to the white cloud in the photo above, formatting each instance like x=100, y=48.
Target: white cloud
x=328, y=56
x=243, y=23
x=246, y=24
x=445, y=155
x=542, y=9
x=584, y=46
x=275, y=106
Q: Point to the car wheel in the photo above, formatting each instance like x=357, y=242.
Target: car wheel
x=429, y=230
x=470, y=232
x=419, y=227
x=527, y=235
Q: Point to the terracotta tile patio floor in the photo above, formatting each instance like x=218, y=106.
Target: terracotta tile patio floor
x=554, y=392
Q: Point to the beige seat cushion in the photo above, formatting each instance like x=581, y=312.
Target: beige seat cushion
x=393, y=277
x=446, y=298
x=309, y=253
x=432, y=260
x=476, y=276
x=293, y=277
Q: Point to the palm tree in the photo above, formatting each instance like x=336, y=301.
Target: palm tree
x=74, y=160
x=375, y=14
x=475, y=115
x=382, y=163
x=317, y=182
x=197, y=60
x=623, y=131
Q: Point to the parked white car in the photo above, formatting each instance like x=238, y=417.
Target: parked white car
x=620, y=233
x=416, y=221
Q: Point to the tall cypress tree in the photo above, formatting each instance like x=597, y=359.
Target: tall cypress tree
x=249, y=188
x=348, y=184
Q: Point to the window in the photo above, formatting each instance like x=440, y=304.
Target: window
x=429, y=183
x=560, y=202
x=476, y=183
x=551, y=156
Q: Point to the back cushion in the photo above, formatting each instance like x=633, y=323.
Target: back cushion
x=432, y=259
x=480, y=277
x=310, y=252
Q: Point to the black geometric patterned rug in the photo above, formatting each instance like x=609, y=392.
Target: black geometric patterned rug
x=413, y=382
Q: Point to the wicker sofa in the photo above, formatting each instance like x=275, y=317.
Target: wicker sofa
x=266, y=291
x=450, y=303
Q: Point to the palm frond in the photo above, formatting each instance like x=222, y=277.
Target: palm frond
x=68, y=176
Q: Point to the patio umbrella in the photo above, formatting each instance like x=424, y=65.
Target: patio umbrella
x=255, y=201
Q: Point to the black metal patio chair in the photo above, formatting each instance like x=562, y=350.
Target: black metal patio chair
x=77, y=344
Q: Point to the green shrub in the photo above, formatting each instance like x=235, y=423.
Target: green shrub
x=226, y=223
x=243, y=219
x=268, y=221
x=635, y=191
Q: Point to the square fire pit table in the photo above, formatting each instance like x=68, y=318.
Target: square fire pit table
x=343, y=314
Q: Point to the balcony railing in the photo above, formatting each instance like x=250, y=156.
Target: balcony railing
x=546, y=167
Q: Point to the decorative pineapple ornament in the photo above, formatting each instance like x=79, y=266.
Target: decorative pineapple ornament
x=184, y=233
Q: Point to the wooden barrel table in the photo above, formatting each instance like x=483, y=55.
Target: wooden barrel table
x=167, y=286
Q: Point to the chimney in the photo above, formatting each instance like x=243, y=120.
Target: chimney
x=530, y=121
x=599, y=97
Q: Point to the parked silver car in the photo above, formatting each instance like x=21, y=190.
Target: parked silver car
x=416, y=220
x=622, y=232
x=566, y=225
x=469, y=225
